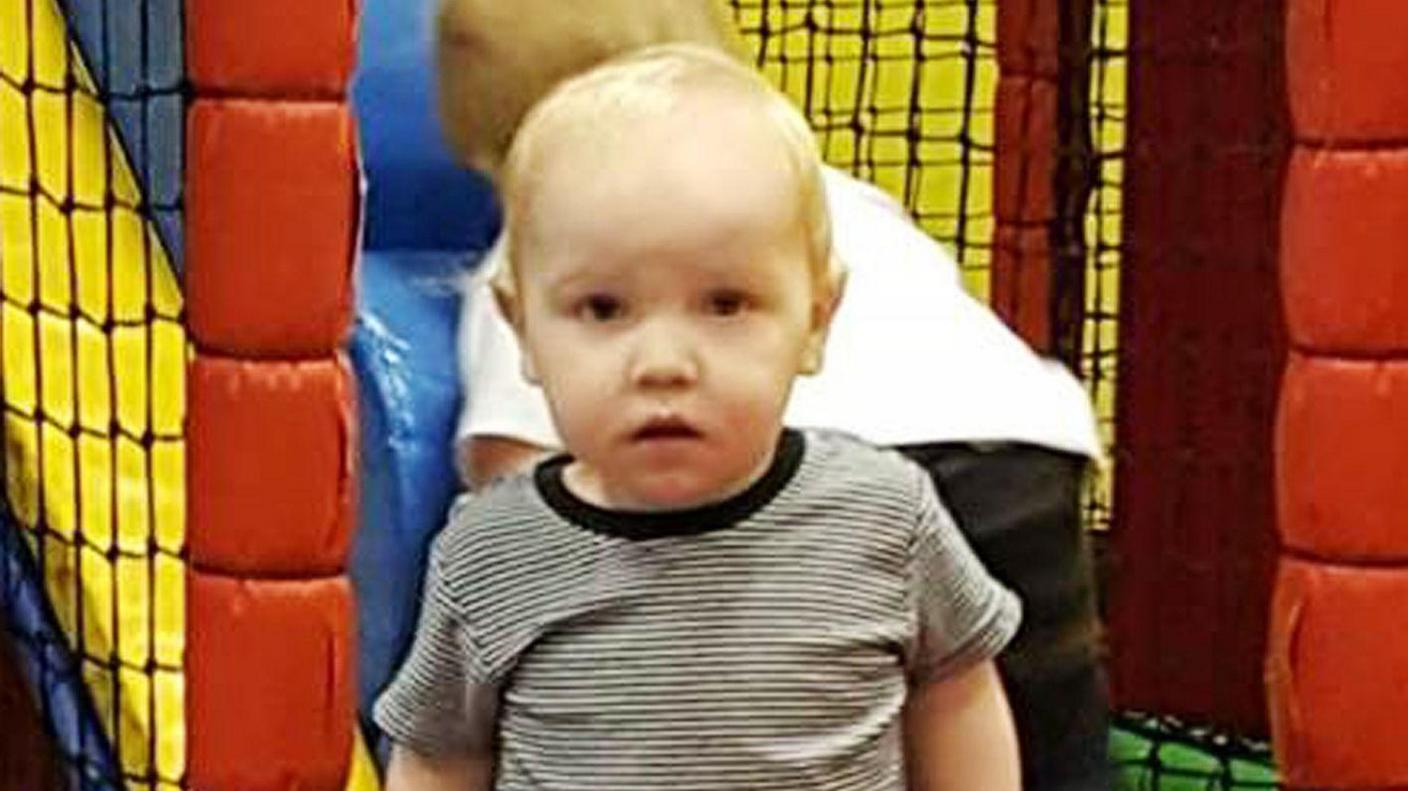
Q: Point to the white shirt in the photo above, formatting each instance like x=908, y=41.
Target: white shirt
x=912, y=358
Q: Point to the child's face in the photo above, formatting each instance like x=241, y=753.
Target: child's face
x=666, y=304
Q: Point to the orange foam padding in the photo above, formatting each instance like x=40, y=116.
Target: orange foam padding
x=271, y=221
x=1345, y=67
x=271, y=47
x=269, y=673
x=1021, y=282
x=1343, y=249
x=1026, y=142
x=1028, y=37
x=1335, y=675
x=1341, y=450
x=270, y=465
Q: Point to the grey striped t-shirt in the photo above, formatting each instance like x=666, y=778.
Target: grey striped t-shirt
x=766, y=642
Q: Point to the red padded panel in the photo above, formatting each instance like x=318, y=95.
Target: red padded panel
x=269, y=672
x=1026, y=136
x=1342, y=453
x=271, y=483
x=1201, y=355
x=1344, y=237
x=267, y=47
x=1345, y=66
x=1022, y=201
x=271, y=220
x=1335, y=665
x=1021, y=282
x=1028, y=37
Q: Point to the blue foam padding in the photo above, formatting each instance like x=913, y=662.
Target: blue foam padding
x=422, y=211
x=417, y=197
x=51, y=669
x=403, y=352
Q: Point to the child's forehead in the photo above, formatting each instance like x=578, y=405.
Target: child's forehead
x=614, y=130
x=668, y=190
x=718, y=150
x=708, y=165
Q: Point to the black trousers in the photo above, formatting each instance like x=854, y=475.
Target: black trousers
x=1019, y=507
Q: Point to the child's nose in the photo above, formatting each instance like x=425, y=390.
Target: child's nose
x=664, y=358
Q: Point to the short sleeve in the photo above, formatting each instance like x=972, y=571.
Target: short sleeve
x=498, y=401
x=962, y=615
x=435, y=703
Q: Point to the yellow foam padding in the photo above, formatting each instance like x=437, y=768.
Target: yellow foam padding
x=94, y=364
x=362, y=776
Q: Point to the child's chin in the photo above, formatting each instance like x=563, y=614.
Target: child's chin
x=676, y=493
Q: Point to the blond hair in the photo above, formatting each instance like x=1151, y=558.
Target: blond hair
x=648, y=84
x=495, y=59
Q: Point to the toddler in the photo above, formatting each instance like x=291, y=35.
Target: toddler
x=691, y=596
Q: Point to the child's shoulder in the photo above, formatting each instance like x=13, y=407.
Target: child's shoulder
x=491, y=525
x=846, y=450
x=842, y=464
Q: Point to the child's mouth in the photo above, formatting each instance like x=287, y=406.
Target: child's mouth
x=666, y=429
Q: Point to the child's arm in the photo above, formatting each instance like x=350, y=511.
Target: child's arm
x=412, y=771
x=439, y=716
x=958, y=734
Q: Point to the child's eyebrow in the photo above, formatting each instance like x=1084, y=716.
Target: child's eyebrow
x=578, y=279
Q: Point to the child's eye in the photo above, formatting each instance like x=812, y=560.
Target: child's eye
x=600, y=307
x=726, y=302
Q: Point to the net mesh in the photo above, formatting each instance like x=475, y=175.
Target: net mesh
x=901, y=94
x=1109, y=59
x=94, y=354
x=1162, y=753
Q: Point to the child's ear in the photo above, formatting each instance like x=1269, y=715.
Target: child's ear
x=825, y=300
x=511, y=306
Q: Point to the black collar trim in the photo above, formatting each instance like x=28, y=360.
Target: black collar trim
x=641, y=525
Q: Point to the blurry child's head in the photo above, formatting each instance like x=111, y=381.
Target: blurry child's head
x=495, y=58
x=669, y=271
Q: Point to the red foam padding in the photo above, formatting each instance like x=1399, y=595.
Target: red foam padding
x=269, y=677
x=1026, y=146
x=1345, y=67
x=271, y=221
x=1021, y=282
x=1341, y=453
x=271, y=447
x=271, y=47
x=1344, y=250
x=1335, y=670
x=1029, y=37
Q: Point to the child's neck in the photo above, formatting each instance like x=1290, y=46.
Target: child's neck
x=587, y=484
x=727, y=508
